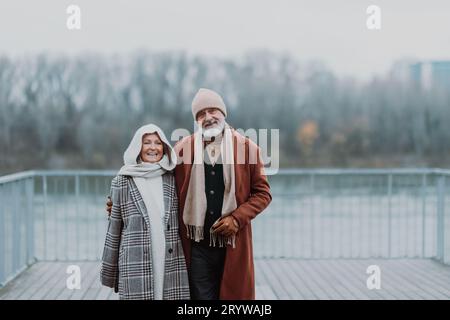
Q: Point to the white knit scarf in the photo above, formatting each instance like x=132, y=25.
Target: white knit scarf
x=195, y=206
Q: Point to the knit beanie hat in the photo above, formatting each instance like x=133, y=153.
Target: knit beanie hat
x=206, y=98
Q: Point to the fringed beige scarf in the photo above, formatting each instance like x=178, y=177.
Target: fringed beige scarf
x=195, y=205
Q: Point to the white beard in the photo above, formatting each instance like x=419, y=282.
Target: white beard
x=208, y=134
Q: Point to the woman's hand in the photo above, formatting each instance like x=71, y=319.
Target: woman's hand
x=109, y=206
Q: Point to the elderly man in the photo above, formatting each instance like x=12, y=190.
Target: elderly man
x=220, y=191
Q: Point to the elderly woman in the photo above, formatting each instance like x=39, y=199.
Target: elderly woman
x=143, y=257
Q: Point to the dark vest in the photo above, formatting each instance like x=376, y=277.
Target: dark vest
x=214, y=189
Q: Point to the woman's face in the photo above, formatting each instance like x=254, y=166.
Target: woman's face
x=152, y=148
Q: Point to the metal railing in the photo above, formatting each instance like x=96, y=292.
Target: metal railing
x=60, y=216
x=357, y=213
x=16, y=224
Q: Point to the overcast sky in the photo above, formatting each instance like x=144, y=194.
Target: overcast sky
x=334, y=32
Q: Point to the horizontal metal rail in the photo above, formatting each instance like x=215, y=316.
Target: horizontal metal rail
x=315, y=213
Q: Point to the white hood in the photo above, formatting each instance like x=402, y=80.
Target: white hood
x=143, y=169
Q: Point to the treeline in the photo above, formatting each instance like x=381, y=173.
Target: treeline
x=81, y=112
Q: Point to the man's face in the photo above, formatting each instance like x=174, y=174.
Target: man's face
x=210, y=118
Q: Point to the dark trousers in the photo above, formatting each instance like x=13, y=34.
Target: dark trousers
x=206, y=271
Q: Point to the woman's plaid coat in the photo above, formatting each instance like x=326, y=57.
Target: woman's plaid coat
x=126, y=262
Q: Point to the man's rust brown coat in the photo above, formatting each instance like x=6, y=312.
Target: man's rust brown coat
x=252, y=197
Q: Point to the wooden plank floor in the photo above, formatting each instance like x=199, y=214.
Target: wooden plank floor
x=275, y=279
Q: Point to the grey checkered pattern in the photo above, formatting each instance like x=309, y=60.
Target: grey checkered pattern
x=126, y=262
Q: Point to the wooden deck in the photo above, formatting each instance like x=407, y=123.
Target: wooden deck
x=275, y=279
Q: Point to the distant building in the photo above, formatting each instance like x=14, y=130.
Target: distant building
x=425, y=74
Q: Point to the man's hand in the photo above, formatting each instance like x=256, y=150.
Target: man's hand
x=227, y=226
x=109, y=206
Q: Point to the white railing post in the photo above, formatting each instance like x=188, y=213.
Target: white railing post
x=312, y=186
x=440, y=218
x=389, y=215
x=2, y=236
x=44, y=216
x=16, y=234
x=77, y=202
x=30, y=220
